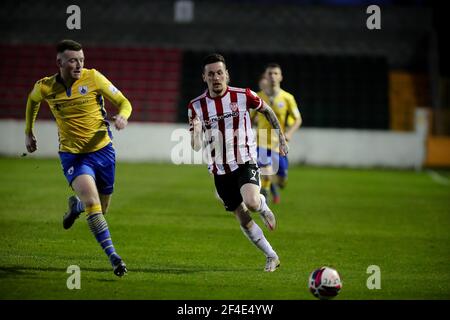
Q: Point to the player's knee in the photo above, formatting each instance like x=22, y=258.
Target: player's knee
x=88, y=202
x=253, y=202
x=92, y=205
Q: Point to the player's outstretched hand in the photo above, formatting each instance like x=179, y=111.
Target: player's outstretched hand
x=120, y=122
x=30, y=142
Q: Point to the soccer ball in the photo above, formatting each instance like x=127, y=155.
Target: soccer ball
x=325, y=283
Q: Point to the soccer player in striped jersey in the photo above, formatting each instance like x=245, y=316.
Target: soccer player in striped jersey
x=274, y=166
x=75, y=96
x=219, y=122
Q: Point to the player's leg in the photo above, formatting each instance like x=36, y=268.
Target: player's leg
x=256, y=202
x=265, y=164
x=253, y=199
x=104, y=162
x=266, y=181
x=86, y=189
x=279, y=181
x=105, y=201
x=282, y=174
x=227, y=187
x=76, y=207
x=278, y=167
x=71, y=168
x=275, y=191
x=254, y=233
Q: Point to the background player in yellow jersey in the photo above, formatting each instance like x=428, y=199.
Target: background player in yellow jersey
x=286, y=110
x=75, y=97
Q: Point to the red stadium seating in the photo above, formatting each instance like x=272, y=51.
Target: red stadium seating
x=149, y=78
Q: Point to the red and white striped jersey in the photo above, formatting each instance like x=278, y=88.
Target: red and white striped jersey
x=228, y=138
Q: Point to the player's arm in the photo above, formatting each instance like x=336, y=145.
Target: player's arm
x=196, y=129
x=267, y=111
x=196, y=134
x=255, y=102
x=254, y=118
x=294, y=127
x=33, y=103
x=293, y=111
x=117, y=99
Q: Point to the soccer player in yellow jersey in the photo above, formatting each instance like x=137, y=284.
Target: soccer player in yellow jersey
x=75, y=96
x=286, y=110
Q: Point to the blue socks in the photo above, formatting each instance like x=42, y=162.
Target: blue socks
x=99, y=228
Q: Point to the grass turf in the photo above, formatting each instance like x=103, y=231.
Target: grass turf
x=179, y=243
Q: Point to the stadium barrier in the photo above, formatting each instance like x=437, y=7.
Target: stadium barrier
x=154, y=142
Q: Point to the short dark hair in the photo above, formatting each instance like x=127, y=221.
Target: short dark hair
x=272, y=65
x=213, y=58
x=261, y=76
x=64, y=45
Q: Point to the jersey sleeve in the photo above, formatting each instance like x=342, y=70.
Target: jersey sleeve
x=191, y=116
x=253, y=101
x=33, y=103
x=113, y=94
x=293, y=108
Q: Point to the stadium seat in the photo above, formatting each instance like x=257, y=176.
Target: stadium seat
x=149, y=77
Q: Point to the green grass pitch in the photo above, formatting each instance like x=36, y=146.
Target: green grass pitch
x=179, y=243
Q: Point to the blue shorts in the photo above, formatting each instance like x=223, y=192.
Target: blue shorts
x=268, y=157
x=99, y=164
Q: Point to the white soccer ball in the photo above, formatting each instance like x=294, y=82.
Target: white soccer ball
x=325, y=283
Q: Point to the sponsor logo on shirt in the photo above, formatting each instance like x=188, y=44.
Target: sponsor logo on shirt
x=212, y=120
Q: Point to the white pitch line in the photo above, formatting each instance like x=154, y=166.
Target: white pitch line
x=436, y=177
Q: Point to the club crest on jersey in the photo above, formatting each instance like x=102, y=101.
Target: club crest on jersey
x=234, y=106
x=83, y=90
x=280, y=105
x=113, y=89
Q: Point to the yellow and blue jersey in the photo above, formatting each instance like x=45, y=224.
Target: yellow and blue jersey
x=79, y=111
x=286, y=110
